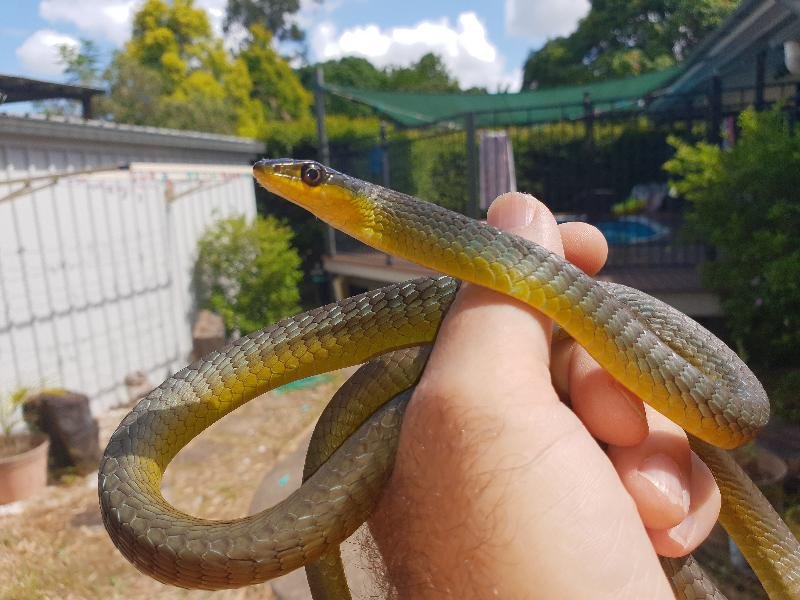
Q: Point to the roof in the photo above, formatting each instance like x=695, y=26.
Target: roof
x=73, y=129
x=415, y=110
x=729, y=51
x=22, y=89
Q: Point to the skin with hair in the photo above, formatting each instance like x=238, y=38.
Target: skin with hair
x=502, y=490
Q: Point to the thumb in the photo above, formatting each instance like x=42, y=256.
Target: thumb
x=512, y=339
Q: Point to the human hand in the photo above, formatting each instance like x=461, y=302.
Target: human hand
x=502, y=490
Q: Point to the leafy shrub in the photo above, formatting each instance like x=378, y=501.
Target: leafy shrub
x=745, y=202
x=248, y=273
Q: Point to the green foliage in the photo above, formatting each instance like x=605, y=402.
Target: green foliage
x=135, y=93
x=439, y=170
x=248, y=273
x=781, y=384
x=274, y=84
x=745, y=204
x=172, y=38
x=428, y=75
x=350, y=71
x=174, y=72
x=619, y=38
x=81, y=63
x=10, y=404
x=274, y=15
x=299, y=138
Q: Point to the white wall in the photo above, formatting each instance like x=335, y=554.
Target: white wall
x=95, y=271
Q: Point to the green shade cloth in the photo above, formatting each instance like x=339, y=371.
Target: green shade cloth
x=541, y=106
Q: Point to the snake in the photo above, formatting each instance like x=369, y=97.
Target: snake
x=658, y=353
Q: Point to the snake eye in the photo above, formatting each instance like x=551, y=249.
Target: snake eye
x=312, y=174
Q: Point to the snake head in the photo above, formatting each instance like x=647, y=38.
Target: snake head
x=332, y=196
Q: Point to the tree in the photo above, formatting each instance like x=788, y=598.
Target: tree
x=81, y=67
x=175, y=40
x=349, y=71
x=744, y=203
x=273, y=15
x=274, y=83
x=429, y=74
x=171, y=73
x=174, y=72
x=81, y=63
x=619, y=38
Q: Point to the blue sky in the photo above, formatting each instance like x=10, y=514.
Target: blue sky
x=483, y=42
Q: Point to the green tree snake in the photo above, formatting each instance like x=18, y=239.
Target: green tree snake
x=658, y=353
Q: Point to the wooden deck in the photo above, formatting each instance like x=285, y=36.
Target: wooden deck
x=678, y=286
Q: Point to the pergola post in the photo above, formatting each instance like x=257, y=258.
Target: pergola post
x=473, y=181
x=715, y=104
x=322, y=142
x=86, y=106
x=761, y=68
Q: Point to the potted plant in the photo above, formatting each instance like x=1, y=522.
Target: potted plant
x=23, y=452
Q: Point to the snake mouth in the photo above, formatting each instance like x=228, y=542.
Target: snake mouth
x=326, y=193
x=275, y=174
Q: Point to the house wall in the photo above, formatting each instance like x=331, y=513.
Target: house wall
x=95, y=270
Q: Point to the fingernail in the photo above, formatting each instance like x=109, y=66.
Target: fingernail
x=512, y=210
x=683, y=531
x=665, y=475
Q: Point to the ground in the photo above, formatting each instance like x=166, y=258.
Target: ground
x=54, y=546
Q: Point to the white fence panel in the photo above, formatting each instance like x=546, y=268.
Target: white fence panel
x=95, y=269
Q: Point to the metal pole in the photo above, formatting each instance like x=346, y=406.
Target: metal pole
x=588, y=114
x=86, y=106
x=385, y=172
x=761, y=67
x=589, y=195
x=796, y=111
x=322, y=141
x=714, y=135
x=473, y=181
x=384, y=156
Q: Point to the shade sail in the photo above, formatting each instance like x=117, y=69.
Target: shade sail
x=541, y=106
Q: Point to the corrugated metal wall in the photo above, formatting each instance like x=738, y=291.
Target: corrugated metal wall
x=95, y=270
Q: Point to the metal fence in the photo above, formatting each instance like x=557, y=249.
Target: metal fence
x=603, y=167
x=95, y=268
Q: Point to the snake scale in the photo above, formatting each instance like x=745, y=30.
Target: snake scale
x=661, y=355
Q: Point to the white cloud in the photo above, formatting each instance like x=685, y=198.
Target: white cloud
x=113, y=19
x=312, y=11
x=109, y=19
x=39, y=52
x=216, y=12
x=464, y=48
x=540, y=19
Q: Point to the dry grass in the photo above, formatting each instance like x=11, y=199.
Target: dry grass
x=56, y=547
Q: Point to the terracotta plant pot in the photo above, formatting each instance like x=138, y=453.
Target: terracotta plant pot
x=25, y=473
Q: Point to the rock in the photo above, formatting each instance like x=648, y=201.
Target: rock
x=208, y=334
x=67, y=419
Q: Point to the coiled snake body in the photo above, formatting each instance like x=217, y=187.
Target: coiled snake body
x=658, y=353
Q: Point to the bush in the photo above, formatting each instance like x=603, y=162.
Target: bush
x=745, y=202
x=248, y=273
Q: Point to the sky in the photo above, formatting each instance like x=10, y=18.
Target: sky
x=482, y=42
